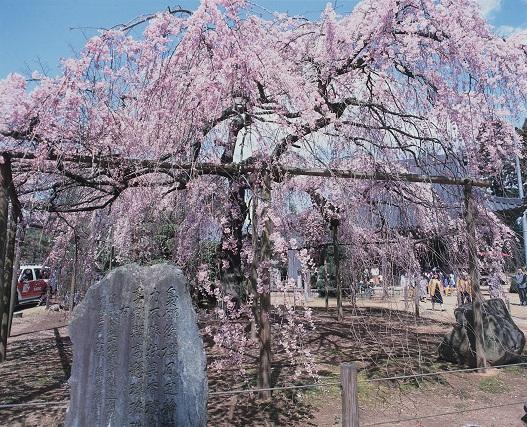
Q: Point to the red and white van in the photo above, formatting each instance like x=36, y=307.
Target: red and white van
x=33, y=282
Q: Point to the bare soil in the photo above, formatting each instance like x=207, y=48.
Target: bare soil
x=381, y=339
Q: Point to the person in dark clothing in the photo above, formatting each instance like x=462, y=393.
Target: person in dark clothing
x=435, y=289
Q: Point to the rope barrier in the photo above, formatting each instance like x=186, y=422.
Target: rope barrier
x=256, y=390
x=327, y=384
x=20, y=405
x=293, y=387
x=432, y=374
x=461, y=411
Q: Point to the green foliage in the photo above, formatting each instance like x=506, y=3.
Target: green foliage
x=326, y=273
x=36, y=246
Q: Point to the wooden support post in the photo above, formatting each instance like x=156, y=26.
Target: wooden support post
x=405, y=292
x=473, y=266
x=48, y=295
x=326, y=284
x=74, y=272
x=306, y=285
x=4, y=291
x=21, y=234
x=8, y=275
x=417, y=297
x=350, y=399
x=111, y=257
x=354, y=286
x=336, y=255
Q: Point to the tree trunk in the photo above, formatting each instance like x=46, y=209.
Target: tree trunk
x=230, y=255
x=264, y=313
x=473, y=266
x=4, y=291
x=336, y=256
x=232, y=277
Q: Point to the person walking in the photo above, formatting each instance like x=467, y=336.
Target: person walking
x=464, y=289
x=436, y=291
x=521, y=281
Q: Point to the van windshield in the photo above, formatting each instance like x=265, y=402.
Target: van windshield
x=27, y=275
x=42, y=273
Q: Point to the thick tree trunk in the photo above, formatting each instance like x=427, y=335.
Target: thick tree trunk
x=231, y=242
x=264, y=297
x=473, y=266
x=4, y=291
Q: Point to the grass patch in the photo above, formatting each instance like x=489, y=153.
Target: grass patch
x=516, y=370
x=492, y=385
x=370, y=392
x=318, y=394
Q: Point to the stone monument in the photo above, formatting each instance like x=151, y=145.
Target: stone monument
x=138, y=357
x=503, y=340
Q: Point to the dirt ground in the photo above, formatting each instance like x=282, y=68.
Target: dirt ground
x=379, y=336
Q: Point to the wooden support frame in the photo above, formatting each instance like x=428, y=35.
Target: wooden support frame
x=277, y=172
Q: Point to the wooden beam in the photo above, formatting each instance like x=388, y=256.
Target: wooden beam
x=278, y=171
x=382, y=176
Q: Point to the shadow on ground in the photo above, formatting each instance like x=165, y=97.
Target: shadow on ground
x=383, y=342
x=35, y=370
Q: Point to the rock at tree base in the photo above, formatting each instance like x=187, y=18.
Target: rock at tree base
x=138, y=357
x=503, y=340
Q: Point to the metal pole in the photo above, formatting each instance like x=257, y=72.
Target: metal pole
x=524, y=216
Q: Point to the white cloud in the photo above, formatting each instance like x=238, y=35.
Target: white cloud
x=508, y=30
x=489, y=6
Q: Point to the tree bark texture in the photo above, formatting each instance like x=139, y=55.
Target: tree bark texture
x=264, y=297
x=473, y=266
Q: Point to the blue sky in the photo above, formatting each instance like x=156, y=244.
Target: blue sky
x=35, y=34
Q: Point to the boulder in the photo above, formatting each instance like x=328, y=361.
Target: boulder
x=503, y=340
x=138, y=357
